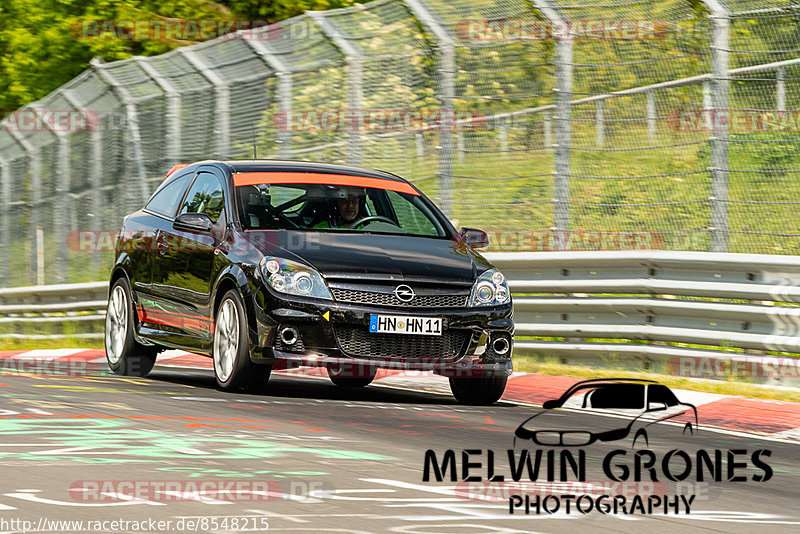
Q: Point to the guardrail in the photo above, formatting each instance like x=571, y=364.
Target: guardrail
x=53, y=311
x=624, y=307
x=644, y=307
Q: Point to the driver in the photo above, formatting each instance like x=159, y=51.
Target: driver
x=349, y=208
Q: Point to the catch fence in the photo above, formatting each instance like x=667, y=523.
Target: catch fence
x=554, y=124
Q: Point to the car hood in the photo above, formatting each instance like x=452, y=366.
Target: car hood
x=588, y=420
x=385, y=256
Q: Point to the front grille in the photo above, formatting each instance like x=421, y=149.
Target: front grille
x=389, y=299
x=358, y=342
x=569, y=438
x=283, y=347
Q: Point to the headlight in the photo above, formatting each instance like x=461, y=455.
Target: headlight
x=490, y=289
x=292, y=278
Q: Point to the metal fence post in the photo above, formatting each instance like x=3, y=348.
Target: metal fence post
x=354, y=82
x=35, y=173
x=134, y=138
x=563, y=97
x=547, y=125
x=96, y=167
x=563, y=134
x=173, y=114
x=562, y=118
x=780, y=89
x=61, y=213
x=447, y=72
x=600, y=124
x=503, y=136
x=719, y=139
x=651, y=116
x=284, y=75
x=5, y=195
x=223, y=100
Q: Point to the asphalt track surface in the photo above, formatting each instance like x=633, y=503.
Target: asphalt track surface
x=313, y=457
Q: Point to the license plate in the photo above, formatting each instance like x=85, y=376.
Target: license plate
x=400, y=324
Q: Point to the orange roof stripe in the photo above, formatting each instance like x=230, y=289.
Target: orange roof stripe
x=176, y=167
x=264, y=177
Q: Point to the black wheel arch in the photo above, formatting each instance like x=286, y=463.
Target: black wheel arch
x=120, y=271
x=234, y=277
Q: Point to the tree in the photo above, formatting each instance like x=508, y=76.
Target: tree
x=43, y=43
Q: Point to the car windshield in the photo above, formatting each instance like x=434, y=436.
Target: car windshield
x=337, y=207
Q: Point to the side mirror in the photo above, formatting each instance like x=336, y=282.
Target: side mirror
x=550, y=404
x=474, y=238
x=193, y=222
x=656, y=406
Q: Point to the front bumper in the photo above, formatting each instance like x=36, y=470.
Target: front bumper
x=331, y=333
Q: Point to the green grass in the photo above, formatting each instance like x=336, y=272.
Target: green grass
x=59, y=343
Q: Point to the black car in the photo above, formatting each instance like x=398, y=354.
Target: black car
x=269, y=264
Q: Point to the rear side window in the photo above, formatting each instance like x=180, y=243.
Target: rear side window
x=165, y=202
x=205, y=196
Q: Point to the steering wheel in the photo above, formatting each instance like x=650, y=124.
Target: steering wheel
x=372, y=218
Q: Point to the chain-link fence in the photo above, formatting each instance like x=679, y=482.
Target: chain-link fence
x=552, y=124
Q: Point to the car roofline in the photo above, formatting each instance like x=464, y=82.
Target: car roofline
x=585, y=383
x=237, y=166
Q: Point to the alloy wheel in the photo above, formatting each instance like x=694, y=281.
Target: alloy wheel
x=226, y=340
x=116, y=324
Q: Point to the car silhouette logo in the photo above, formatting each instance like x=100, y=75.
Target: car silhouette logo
x=404, y=293
x=643, y=406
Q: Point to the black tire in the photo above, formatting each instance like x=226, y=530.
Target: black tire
x=351, y=376
x=231, y=348
x=124, y=354
x=479, y=391
x=259, y=378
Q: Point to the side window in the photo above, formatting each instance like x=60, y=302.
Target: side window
x=618, y=396
x=205, y=196
x=165, y=202
x=659, y=393
x=410, y=217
